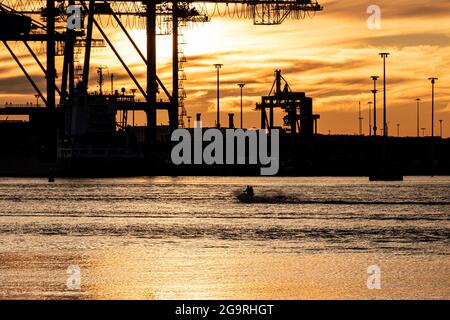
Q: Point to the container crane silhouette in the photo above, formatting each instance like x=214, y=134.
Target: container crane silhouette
x=46, y=21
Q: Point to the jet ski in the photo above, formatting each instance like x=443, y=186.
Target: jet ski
x=247, y=196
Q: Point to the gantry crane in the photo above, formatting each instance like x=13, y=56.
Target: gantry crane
x=297, y=106
x=45, y=20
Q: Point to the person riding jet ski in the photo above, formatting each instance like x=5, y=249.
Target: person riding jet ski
x=249, y=191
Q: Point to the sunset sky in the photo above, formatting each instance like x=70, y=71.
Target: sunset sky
x=331, y=57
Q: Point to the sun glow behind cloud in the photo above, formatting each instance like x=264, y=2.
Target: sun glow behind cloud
x=331, y=57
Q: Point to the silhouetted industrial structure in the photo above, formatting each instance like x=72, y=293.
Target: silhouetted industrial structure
x=299, y=117
x=89, y=132
x=83, y=124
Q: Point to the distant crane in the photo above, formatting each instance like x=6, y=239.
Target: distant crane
x=298, y=107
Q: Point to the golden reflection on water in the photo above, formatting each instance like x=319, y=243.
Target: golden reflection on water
x=188, y=238
x=182, y=271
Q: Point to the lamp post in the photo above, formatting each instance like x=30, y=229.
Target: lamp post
x=384, y=55
x=241, y=85
x=360, y=120
x=133, y=91
x=440, y=128
x=398, y=129
x=423, y=131
x=374, y=91
x=370, y=118
x=37, y=100
x=218, y=66
x=418, y=117
x=433, y=81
